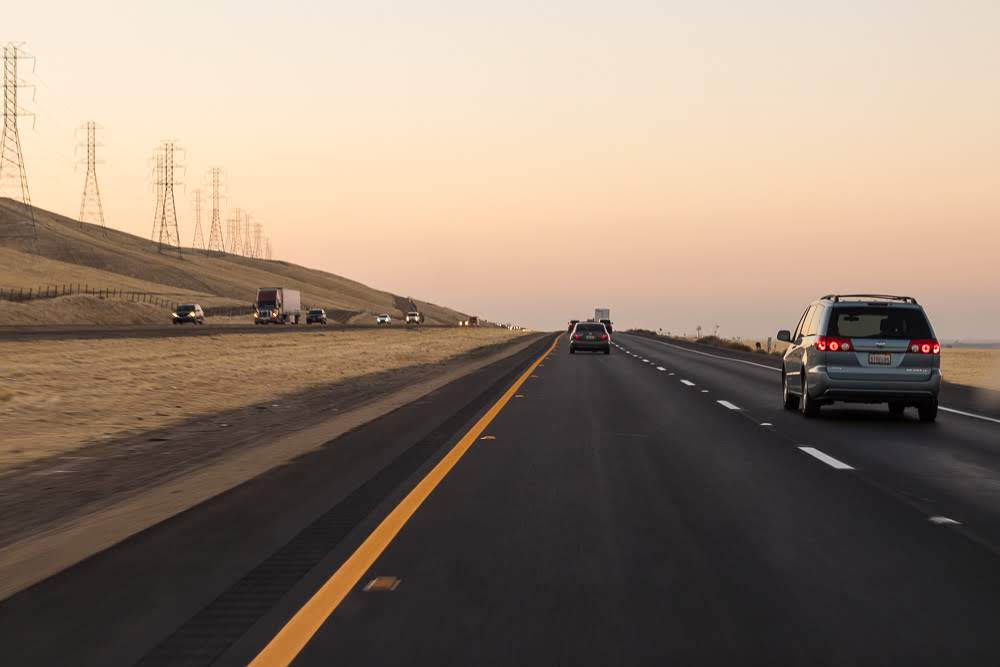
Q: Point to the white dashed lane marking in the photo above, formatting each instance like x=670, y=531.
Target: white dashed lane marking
x=826, y=458
x=727, y=404
x=660, y=368
x=687, y=382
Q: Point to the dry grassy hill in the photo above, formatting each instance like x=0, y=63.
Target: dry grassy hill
x=67, y=252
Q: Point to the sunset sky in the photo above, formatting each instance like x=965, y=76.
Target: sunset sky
x=682, y=163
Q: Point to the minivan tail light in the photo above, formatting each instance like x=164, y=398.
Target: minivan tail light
x=833, y=344
x=924, y=346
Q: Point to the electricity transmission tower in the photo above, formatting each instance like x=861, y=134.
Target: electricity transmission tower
x=169, y=233
x=199, y=240
x=215, y=241
x=91, y=209
x=247, y=238
x=11, y=158
x=258, y=248
x=233, y=231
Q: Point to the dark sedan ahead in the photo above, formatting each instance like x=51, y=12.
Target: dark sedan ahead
x=590, y=337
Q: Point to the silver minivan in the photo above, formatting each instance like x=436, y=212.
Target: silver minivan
x=862, y=348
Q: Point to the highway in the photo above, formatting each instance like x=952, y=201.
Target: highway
x=654, y=506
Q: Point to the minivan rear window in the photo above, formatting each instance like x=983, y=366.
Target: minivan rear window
x=590, y=328
x=882, y=322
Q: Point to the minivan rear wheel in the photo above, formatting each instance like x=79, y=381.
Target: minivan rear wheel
x=808, y=405
x=928, y=411
x=791, y=400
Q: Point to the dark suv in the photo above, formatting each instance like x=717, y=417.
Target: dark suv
x=590, y=336
x=862, y=348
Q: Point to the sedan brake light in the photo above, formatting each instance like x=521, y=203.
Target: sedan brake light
x=577, y=337
x=833, y=344
x=924, y=346
x=604, y=336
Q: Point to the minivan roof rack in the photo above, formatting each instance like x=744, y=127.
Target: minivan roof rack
x=865, y=297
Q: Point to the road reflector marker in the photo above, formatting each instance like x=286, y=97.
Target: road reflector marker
x=299, y=630
x=518, y=395
x=673, y=373
x=766, y=424
x=660, y=368
x=534, y=376
x=727, y=404
x=826, y=458
x=687, y=382
x=704, y=391
x=944, y=521
x=382, y=584
x=488, y=437
x=646, y=360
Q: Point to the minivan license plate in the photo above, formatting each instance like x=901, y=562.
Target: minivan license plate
x=880, y=358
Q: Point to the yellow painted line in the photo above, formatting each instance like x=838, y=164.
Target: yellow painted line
x=294, y=636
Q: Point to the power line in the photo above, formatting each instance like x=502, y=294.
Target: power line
x=158, y=185
x=11, y=156
x=91, y=209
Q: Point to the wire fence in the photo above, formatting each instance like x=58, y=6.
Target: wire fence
x=69, y=289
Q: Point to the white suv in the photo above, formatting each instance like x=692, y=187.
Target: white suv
x=383, y=319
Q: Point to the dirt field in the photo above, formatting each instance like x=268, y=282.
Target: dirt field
x=973, y=367
x=57, y=395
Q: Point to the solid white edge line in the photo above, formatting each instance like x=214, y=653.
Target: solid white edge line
x=826, y=458
x=727, y=404
x=752, y=363
x=969, y=414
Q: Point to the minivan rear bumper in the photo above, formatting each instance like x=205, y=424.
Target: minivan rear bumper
x=825, y=388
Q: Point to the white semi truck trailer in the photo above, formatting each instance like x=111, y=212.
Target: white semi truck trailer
x=277, y=305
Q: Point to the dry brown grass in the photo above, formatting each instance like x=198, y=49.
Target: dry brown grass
x=60, y=394
x=973, y=367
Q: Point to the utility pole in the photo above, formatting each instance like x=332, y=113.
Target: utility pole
x=215, y=241
x=199, y=240
x=12, y=168
x=91, y=209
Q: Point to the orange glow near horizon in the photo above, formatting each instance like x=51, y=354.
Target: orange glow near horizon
x=680, y=163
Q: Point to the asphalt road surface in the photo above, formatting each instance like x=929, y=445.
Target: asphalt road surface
x=653, y=506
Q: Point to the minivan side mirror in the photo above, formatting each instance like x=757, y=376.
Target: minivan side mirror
x=785, y=336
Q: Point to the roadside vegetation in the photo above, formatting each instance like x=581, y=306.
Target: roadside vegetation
x=58, y=394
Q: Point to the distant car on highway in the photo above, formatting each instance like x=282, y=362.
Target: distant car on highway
x=383, y=319
x=572, y=323
x=414, y=317
x=590, y=337
x=316, y=316
x=188, y=312
x=862, y=348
